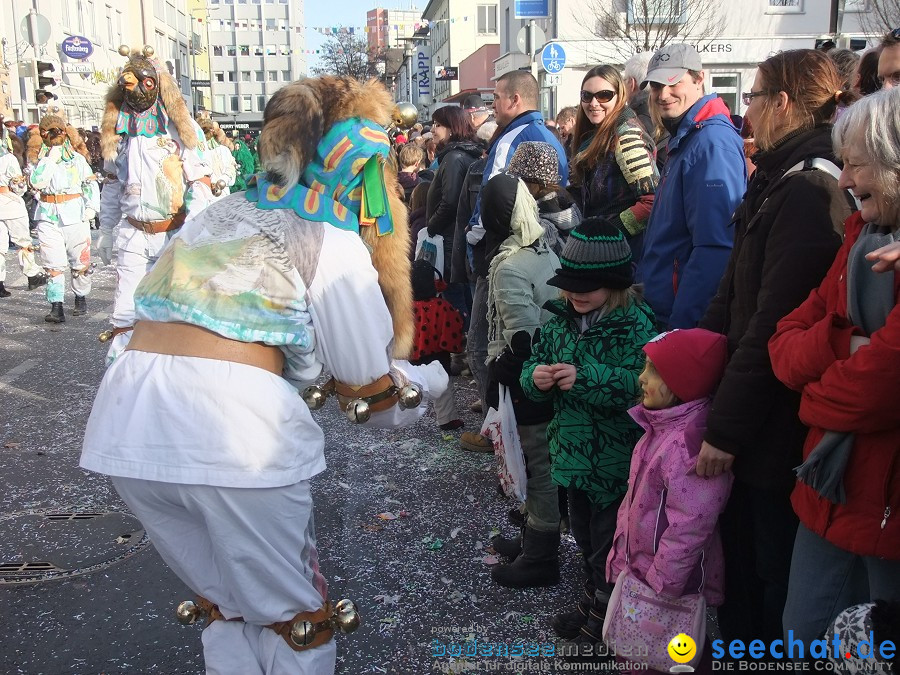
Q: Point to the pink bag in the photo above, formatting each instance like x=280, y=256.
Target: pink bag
x=639, y=624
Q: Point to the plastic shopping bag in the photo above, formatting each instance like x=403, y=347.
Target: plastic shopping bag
x=500, y=427
x=430, y=249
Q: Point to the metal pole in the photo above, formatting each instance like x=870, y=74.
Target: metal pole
x=532, y=48
x=193, y=48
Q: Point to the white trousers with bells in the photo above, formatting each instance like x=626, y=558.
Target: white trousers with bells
x=251, y=551
x=65, y=246
x=16, y=229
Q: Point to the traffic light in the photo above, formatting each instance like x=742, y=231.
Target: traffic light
x=46, y=82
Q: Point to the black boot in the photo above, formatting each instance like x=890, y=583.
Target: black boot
x=537, y=565
x=516, y=517
x=56, y=314
x=568, y=624
x=590, y=638
x=3, y=292
x=36, y=281
x=80, y=305
x=509, y=547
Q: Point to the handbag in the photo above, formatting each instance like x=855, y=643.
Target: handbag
x=500, y=426
x=640, y=624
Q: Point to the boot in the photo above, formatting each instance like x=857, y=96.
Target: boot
x=80, y=305
x=36, y=281
x=537, y=565
x=516, y=517
x=509, y=547
x=3, y=292
x=568, y=624
x=56, y=314
x=584, y=646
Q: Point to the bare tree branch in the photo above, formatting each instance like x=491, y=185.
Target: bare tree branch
x=883, y=17
x=624, y=27
x=346, y=54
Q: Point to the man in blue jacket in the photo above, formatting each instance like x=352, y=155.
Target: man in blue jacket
x=689, y=235
x=516, y=113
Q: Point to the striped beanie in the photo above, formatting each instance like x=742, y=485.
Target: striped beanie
x=595, y=256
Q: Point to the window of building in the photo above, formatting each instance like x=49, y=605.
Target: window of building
x=220, y=77
x=260, y=103
x=159, y=9
x=248, y=103
x=182, y=23
x=270, y=24
x=785, y=7
x=271, y=51
x=254, y=25
x=119, y=33
x=232, y=76
x=90, y=23
x=286, y=75
x=171, y=16
x=231, y=50
x=273, y=76
x=217, y=50
x=235, y=104
x=487, y=19
x=257, y=50
x=245, y=76
x=219, y=103
x=260, y=76
x=727, y=86
x=245, y=50
x=282, y=24
x=856, y=6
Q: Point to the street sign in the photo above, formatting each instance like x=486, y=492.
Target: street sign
x=532, y=9
x=553, y=58
x=200, y=83
x=83, y=68
x=42, y=29
x=76, y=47
x=522, y=39
x=552, y=80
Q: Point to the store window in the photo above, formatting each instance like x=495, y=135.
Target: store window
x=727, y=86
x=785, y=7
x=248, y=103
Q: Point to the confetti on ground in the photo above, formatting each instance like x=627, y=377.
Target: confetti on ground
x=490, y=559
x=387, y=515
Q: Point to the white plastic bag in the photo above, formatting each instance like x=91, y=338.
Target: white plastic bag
x=500, y=427
x=430, y=249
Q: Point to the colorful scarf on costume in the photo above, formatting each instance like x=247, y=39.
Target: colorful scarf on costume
x=150, y=123
x=343, y=184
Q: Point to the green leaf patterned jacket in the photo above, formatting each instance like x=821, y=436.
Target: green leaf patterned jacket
x=591, y=435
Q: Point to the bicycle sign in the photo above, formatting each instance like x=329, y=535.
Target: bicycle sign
x=553, y=58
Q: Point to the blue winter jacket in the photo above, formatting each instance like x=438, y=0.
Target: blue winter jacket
x=689, y=235
x=526, y=127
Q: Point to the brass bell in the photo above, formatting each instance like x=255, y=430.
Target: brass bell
x=357, y=411
x=105, y=336
x=124, y=50
x=410, y=397
x=345, y=616
x=217, y=187
x=314, y=396
x=404, y=116
x=188, y=612
x=303, y=633
x=148, y=51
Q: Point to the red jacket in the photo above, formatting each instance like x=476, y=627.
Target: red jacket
x=811, y=354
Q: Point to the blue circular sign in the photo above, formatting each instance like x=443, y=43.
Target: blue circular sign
x=77, y=47
x=553, y=58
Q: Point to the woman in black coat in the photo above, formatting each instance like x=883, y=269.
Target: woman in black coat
x=457, y=148
x=786, y=237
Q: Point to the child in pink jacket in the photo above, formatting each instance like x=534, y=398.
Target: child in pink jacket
x=669, y=512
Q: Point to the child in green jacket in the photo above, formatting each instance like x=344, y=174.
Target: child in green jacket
x=587, y=362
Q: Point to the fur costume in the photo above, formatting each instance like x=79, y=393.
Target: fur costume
x=55, y=118
x=296, y=119
x=174, y=105
x=211, y=129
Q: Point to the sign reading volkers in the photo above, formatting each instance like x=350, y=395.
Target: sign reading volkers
x=76, y=47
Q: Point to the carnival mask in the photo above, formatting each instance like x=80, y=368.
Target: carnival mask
x=139, y=80
x=53, y=128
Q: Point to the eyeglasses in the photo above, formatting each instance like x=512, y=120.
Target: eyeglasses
x=895, y=33
x=602, y=96
x=748, y=96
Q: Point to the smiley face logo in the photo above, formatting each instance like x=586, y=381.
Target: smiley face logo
x=682, y=648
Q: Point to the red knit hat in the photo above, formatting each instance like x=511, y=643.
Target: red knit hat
x=691, y=362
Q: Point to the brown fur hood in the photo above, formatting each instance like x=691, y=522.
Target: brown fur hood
x=35, y=142
x=296, y=118
x=176, y=110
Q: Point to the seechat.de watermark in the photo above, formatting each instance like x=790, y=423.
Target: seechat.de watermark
x=795, y=654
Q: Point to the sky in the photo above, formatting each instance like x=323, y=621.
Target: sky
x=343, y=13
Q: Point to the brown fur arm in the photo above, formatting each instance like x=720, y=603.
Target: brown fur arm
x=33, y=147
x=78, y=144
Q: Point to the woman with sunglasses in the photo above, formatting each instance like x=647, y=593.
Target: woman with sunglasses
x=614, y=167
x=786, y=236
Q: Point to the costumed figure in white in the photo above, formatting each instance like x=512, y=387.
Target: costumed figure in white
x=14, y=215
x=306, y=272
x=218, y=153
x=154, y=150
x=68, y=198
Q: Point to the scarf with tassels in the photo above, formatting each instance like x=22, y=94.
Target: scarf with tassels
x=343, y=184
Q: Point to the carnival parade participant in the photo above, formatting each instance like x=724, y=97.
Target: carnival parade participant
x=218, y=155
x=68, y=200
x=14, y=216
x=154, y=149
x=262, y=291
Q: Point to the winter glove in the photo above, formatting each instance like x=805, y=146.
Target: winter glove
x=105, y=246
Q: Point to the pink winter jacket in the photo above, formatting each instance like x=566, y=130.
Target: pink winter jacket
x=669, y=511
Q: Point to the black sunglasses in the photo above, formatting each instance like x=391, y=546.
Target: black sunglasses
x=602, y=96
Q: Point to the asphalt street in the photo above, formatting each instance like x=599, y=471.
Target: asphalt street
x=404, y=518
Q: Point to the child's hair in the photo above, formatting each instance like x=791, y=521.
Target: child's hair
x=419, y=196
x=622, y=298
x=411, y=155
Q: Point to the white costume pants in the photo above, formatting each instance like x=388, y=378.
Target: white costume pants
x=65, y=246
x=251, y=551
x=136, y=255
x=444, y=407
x=16, y=229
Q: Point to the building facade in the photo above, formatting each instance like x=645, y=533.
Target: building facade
x=751, y=31
x=255, y=48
